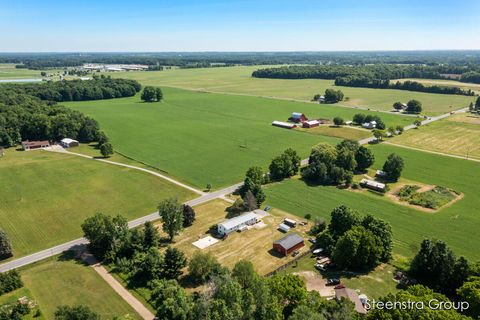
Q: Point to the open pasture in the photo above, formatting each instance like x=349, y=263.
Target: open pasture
x=63, y=281
x=238, y=80
x=457, y=135
x=46, y=196
x=205, y=138
x=456, y=225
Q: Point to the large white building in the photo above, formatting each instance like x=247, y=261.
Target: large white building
x=234, y=224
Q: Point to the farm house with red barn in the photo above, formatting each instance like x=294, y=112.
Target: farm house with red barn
x=298, y=117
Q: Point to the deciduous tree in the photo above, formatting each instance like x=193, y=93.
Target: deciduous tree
x=171, y=213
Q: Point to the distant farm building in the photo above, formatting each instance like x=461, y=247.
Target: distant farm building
x=321, y=99
x=349, y=122
x=68, y=143
x=298, y=117
x=345, y=293
x=311, y=123
x=290, y=222
x=283, y=227
x=374, y=185
x=237, y=223
x=369, y=125
x=380, y=174
x=285, y=125
x=288, y=244
x=32, y=145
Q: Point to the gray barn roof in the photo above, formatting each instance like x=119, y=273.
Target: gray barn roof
x=289, y=241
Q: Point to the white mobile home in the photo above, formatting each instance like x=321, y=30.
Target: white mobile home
x=237, y=223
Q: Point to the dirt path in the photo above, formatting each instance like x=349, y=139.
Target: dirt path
x=183, y=185
x=112, y=282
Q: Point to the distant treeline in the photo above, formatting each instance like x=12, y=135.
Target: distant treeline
x=30, y=112
x=375, y=76
x=211, y=59
x=378, y=71
x=367, y=82
x=77, y=90
x=471, y=76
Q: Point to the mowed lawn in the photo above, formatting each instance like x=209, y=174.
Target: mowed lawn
x=62, y=281
x=211, y=138
x=46, y=196
x=457, y=135
x=457, y=225
x=238, y=80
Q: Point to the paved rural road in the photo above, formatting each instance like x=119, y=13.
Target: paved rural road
x=20, y=262
x=71, y=245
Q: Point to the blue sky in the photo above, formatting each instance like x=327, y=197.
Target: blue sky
x=214, y=25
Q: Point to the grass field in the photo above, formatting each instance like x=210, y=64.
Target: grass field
x=457, y=225
x=209, y=138
x=238, y=80
x=457, y=135
x=254, y=245
x=63, y=281
x=8, y=71
x=45, y=196
x=344, y=132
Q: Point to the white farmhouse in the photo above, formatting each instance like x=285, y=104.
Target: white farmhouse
x=234, y=224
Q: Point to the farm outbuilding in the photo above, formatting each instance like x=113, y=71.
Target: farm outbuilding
x=285, y=125
x=290, y=222
x=283, y=227
x=237, y=223
x=374, y=185
x=68, y=143
x=288, y=244
x=369, y=125
x=32, y=145
x=311, y=123
x=298, y=117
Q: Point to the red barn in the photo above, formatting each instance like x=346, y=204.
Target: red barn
x=288, y=244
x=298, y=117
x=311, y=124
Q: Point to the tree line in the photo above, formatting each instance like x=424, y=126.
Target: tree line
x=77, y=90
x=30, y=112
x=370, y=82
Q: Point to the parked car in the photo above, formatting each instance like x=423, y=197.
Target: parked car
x=295, y=253
x=320, y=267
x=317, y=251
x=333, y=282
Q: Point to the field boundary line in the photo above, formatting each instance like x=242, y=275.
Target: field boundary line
x=295, y=100
x=178, y=183
x=433, y=152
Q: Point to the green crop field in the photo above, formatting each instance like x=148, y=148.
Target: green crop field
x=45, y=196
x=457, y=135
x=238, y=80
x=209, y=138
x=457, y=225
x=63, y=281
